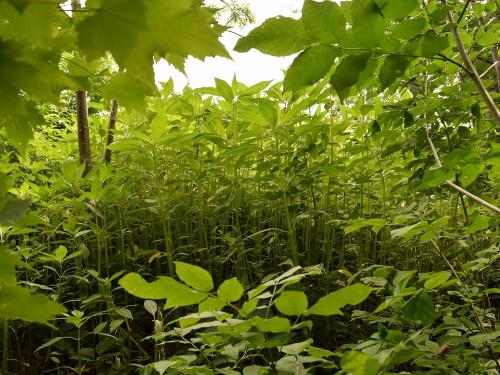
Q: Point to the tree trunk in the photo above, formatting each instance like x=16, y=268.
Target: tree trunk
x=111, y=129
x=83, y=130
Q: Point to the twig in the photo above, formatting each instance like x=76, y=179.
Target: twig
x=495, y=112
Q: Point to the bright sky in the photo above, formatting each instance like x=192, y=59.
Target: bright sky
x=250, y=67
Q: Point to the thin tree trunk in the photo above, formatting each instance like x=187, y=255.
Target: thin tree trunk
x=111, y=129
x=83, y=130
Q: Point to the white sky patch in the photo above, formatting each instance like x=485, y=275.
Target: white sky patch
x=250, y=67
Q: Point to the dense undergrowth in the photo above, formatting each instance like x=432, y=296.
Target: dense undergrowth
x=281, y=228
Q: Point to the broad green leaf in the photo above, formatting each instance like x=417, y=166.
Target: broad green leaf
x=479, y=339
x=275, y=324
x=224, y=90
x=470, y=172
x=296, y=348
x=368, y=24
x=180, y=28
x=420, y=307
x=180, y=295
x=162, y=366
x=376, y=225
x=323, y=21
x=211, y=304
x=436, y=177
x=394, y=9
x=17, y=302
x=135, y=284
x=129, y=90
x=125, y=145
x=358, y=363
x=230, y=290
x=410, y=28
x=427, y=45
x=393, y=67
x=115, y=27
x=151, y=307
x=347, y=73
x=13, y=210
x=269, y=111
x=334, y=301
x=309, y=67
x=436, y=280
x=291, y=303
x=60, y=253
x=279, y=36
x=194, y=276
x=479, y=223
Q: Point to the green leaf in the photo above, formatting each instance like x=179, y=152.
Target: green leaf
x=394, y=9
x=13, y=210
x=279, y=36
x=275, y=324
x=125, y=145
x=394, y=66
x=420, y=307
x=479, y=339
x=368, y=25
x=162, y=366
x=269, y=111
x=17, y=302
x=211, y=304
x=347, y=73
x=309, y=67
x=135, y=284
x=436, y=280
x=357, y=363
x=323, y=21
x=115, y=27
x=408, y=29
x=224, y=90
x=230, y=290
x=291, y=303
x=479, y=223
x=427, y=45
x=470, y=172
x=194, y=276
x=129, y=90
x=376, y=225
x=334, y=301
x=60, y=253
x=436, y=177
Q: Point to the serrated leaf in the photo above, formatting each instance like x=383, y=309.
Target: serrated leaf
x=278, y=36
x=230, y=290
x=292, y=303
x=309, y=67
x=194, y=276
x=324, y=21
x=334, y=301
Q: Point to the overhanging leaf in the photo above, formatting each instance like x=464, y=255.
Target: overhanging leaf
x=279, y=36
x=309, y=67
x=324, y=21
